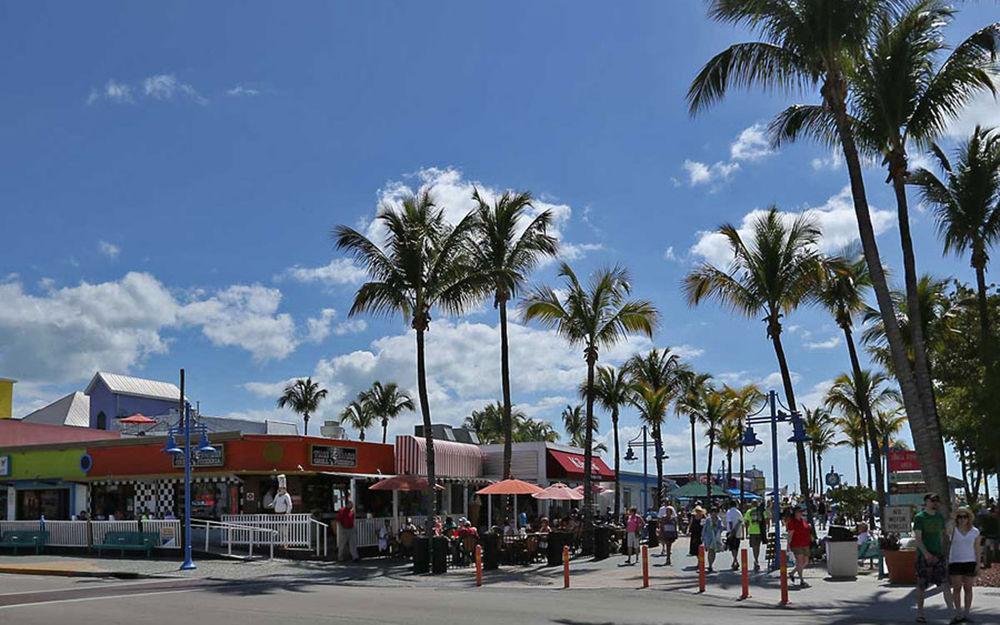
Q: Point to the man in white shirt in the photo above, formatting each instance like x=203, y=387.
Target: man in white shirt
x=734, y=524
x=660, y=515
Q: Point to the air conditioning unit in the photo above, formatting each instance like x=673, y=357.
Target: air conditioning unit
x=332, y=429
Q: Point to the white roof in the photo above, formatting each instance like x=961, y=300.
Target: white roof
x=73, y=409
x=138, y=387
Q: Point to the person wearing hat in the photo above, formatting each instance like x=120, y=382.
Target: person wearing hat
x=694, y=528
x=928, y=538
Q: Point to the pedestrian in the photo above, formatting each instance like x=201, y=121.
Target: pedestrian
x=633, y=525
x=711, y=536
x=694, y=529
x=384, y=534
x=821, y=513
x=668, y=531
x=755, y=520
x=799, y=540
x=660, y=515
x=347, y=542
x=928, y=537
x=964, y=557
x=734, y=525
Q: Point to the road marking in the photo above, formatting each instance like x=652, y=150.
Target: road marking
x=134, y=594
x=104, y=584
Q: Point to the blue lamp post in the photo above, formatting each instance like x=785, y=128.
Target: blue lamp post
x=750, y=441
x=630, y=458
x=184, y=428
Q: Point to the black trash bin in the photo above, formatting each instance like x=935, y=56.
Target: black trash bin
x=441, y=547
x=557, y=540
x=652, y=536
x=839, y=533
x=421, y=555
x=491, y=550
x=602, y=542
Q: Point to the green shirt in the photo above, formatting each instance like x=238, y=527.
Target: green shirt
x=753, y=519
x=931, y=528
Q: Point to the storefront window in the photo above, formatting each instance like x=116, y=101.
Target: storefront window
x=3, y=503
x=208, y=499
x=107, y=500
x=52, y=503
x=457, y=498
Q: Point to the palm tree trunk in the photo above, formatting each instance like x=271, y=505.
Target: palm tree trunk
x=857, y=468
x=774, y=330
x=708, y=467
x=924, y=425
x=614, y=424
x=965, y=467
x=694, y=452
x=361, y=435
x=430, y=497
x=819, y=481
x=305, y=424
x=872, y=435
x=385, y=428
x=657, y=436
x=729, y=468
x=588, y=457
x=508, y=431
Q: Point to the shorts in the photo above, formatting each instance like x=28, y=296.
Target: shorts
x=963, y=569
x=801, y=551
x=931, y=574
x=756, y=540
x=732, y=541
x=633, y=540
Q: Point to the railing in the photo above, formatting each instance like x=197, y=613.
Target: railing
x=98, y=529
x=293, y=531
x=87, y=533
x=168, y=529
x=67, y=533
x=367, y=529
x=226, y=531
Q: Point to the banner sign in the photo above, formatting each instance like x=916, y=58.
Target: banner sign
x=332, y=456
x=898, y=519
x=907, y=488
x=903, y=460
x=200, y=459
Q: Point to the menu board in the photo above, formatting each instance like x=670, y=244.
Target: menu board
x=334, y=456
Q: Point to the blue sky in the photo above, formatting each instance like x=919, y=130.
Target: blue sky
x=170, y=175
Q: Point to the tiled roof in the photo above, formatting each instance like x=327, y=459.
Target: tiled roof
x=73, y=409
x=139, y=387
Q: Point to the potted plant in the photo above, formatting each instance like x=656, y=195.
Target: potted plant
x=902, y=563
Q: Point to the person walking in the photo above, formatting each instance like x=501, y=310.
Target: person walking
x=711, y=536
x=755, y=520
x=347, y=542
x=660, y=515
x=633, y=525
x=799, y=540
x=928, y=537
x=734, y=526
x=668, y=531
x=964, y=557
x=694, y=529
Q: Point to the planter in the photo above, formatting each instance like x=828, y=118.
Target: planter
x=902, y=566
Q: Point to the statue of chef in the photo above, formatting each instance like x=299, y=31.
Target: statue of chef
x=282, y=502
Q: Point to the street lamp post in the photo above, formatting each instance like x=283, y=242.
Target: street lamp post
x=630, y=458
x=751, y=441
x=183, y=427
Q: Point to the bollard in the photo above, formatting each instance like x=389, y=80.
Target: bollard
x=701, y=568
x=479, y=565
x=746, y=575
x=645, y=566
x=783, y=565
x=565, y=567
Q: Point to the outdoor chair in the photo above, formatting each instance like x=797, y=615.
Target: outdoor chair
x=869, y=551
x=469, y=543
x=406, y=542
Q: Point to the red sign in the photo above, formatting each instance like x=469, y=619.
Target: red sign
x=903, y=460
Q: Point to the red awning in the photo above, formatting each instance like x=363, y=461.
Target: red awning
x=566, y=465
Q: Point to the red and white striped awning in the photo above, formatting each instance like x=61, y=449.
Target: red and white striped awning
x=451, y=459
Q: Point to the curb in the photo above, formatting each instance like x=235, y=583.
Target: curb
x=71, y=572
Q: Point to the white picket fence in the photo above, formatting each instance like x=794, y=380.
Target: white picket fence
x=86, y=533
x=367, y=529
x=293, y=531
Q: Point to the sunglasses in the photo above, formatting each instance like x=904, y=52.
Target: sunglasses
x=962, y=516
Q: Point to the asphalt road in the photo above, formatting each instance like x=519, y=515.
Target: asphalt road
x=261, y=602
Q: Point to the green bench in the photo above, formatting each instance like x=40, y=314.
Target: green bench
x=24, y=538
x=129, y=541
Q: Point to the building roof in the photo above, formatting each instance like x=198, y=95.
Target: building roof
x=73, y=409
x=15, y=432
x=227, y=424
x=137, y=387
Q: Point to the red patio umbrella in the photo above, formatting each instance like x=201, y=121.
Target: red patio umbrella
x=559, y=491
x=510, y=487
x=138, y=419
x=403, y=483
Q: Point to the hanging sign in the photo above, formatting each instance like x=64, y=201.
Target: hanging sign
x=334, y=456
x=200, y=459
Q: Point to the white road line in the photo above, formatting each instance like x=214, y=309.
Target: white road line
x=135, y=594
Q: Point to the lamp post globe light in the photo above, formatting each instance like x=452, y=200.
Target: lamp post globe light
x=750, y=442
x=183, y=428
x=630, y=457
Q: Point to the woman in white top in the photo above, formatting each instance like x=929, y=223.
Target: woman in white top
x=963, y=561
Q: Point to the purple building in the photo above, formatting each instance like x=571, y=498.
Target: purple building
x=113, y=396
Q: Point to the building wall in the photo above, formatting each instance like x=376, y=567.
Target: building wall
x=63, y=464
x=114, y=405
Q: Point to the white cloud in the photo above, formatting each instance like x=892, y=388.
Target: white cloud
x=109, y=249
x=267, y=389
x=339, y=271
x=687, y=352
x=669, y=254
x=245, y=316
x=167, y=87
x=835, y=219
x=815, y=396
x=351, y=326
x=751, y=145
x=699, y=173
x=112, y=91
x=983, y=110
x=240, y=90
x=829, y=343
x=318, y=328
x=832, y=163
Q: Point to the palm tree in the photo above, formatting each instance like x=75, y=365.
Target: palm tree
x=711, y=408
x=654, y=378
x=730, y=440
x=595, y=316
x=505, y=251
x=855, y=435
x=935, y=309
x=772, y=272
x=806, y=44
x=531, y=430
x=573, y=423
x=889, y=423
x=487, y=423
x=967, y=207
x=854, y=396
x=743, y=402
x=359, y=415
x=692, y=386
x=822, y=436
x=422, y=265
x=612, y=391
x=387, y=402
x=303, y=397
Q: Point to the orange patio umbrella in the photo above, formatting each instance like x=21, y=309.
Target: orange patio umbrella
x=403, y=483
x=510, y=487
x=559, y=491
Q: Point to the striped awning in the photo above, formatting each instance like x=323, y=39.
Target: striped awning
x=451, y=459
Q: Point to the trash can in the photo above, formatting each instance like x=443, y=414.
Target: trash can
x=421, y=555
x=841, y=553
x=652, y=537
x=440, y=560
x=602, y=542
x=557, y=540
x=491, y=550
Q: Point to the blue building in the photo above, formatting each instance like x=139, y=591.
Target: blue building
x=114, y=396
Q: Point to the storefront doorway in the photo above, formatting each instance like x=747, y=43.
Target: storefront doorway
x=53, y=503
